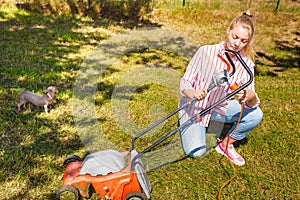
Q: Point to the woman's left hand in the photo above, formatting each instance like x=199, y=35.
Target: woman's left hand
x=247, y=96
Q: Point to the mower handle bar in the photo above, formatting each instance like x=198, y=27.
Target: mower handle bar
x=210, y=87
x=190, y=121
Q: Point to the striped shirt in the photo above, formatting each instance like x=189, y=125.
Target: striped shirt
x=199, y=75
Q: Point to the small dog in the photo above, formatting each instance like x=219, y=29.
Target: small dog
x=38, y=100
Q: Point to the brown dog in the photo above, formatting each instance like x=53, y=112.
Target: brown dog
x=38, y=100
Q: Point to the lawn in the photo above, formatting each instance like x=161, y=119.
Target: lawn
x=104, y=107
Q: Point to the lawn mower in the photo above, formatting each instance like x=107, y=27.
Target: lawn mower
x=117, y=175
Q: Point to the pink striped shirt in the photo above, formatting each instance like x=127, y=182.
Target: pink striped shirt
x=199, y=74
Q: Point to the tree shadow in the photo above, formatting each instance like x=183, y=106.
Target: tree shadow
x=129, y=14
x=289, y=58
x=32, y=139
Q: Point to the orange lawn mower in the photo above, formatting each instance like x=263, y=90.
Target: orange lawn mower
x=117, y=175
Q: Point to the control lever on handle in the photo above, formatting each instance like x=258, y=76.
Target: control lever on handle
x=219, y=79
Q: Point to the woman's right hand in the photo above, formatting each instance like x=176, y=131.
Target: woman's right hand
x=200, y=94
x=190, y=94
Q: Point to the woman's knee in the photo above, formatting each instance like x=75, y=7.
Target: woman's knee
x=250, y=121
x=196, y=152
x=257, y=115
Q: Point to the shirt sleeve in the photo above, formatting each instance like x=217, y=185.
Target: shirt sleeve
x=185, y=85
x=191, y=76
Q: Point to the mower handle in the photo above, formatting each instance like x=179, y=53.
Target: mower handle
x=190, y=121
x=210, y=87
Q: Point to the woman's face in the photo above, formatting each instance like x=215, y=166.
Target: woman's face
x=237, y=38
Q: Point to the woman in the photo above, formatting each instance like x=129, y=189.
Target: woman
x=207, y=60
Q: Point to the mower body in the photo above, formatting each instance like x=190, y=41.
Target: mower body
x=109, y=174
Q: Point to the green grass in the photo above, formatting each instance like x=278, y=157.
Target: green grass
x=38, y=50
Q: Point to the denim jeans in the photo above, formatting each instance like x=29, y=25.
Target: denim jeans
x=193, y=137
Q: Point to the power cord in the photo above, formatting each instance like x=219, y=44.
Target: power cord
x=226, y=152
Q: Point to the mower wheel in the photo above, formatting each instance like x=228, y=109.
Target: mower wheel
x=72, y=158
x=135, y=196
x=68, y=192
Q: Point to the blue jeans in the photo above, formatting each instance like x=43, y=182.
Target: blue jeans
x=193, y=137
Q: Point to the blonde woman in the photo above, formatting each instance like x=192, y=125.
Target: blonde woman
x=197, y=78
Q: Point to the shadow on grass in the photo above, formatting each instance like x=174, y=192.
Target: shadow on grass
x=290, y=51
x=129, y=14
x=41, y=52
x=27, y=147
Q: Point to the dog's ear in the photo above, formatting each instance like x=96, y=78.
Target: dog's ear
x=50, y=89
x=46, y=91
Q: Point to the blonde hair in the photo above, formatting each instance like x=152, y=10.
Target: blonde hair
x=246, y=20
